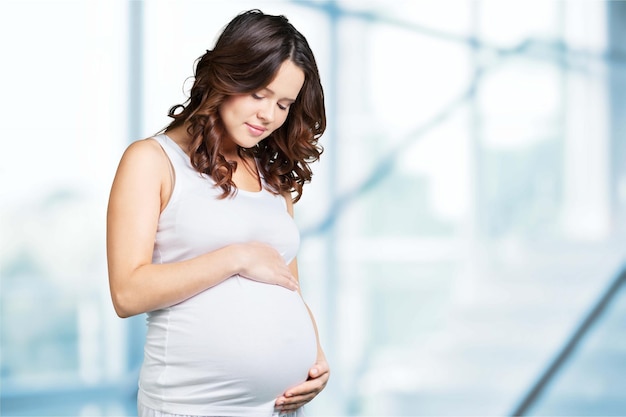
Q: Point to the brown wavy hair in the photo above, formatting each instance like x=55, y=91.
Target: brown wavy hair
x=245, y=59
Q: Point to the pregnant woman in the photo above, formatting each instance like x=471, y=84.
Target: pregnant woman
x=200, y=234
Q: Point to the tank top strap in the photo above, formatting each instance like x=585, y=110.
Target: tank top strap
x=179, y=159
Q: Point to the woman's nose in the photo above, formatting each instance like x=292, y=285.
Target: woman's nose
x=266, y=112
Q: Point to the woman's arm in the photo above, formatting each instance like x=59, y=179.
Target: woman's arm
x=139, y=192
x=319, y=373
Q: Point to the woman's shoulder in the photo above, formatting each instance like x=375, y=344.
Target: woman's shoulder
x=145, y=154
x=145, y=146
x=144, y=149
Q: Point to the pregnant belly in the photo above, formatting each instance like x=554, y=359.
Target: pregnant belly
x=240, y=343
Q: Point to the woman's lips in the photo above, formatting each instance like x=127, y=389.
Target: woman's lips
x=256, y=130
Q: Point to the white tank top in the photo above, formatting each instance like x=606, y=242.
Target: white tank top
x=234, y=348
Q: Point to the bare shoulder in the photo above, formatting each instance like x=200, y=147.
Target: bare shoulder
x=143, y=162
x=144, y=148
x=145, y=154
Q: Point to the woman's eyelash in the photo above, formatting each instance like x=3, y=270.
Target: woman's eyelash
x=280, y=106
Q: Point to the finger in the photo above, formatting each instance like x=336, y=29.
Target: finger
x=296, y=394
x=315, y=372
x=322, y=367
x=296, y=402
x=289, y=282
x=319, y=373
x=301, y=395
x=293, y=286
x=313, y=386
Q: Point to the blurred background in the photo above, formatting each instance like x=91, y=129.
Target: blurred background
x=464, y=235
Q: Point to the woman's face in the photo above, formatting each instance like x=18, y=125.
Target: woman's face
x=250, y=118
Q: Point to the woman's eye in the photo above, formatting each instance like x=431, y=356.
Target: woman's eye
x=256, y=96
x=282, y=106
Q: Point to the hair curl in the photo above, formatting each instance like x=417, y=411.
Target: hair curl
x=245, y=59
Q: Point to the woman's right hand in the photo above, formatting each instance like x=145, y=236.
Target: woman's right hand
x=261, y=262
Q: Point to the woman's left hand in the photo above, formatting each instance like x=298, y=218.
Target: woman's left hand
x=299, y=395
